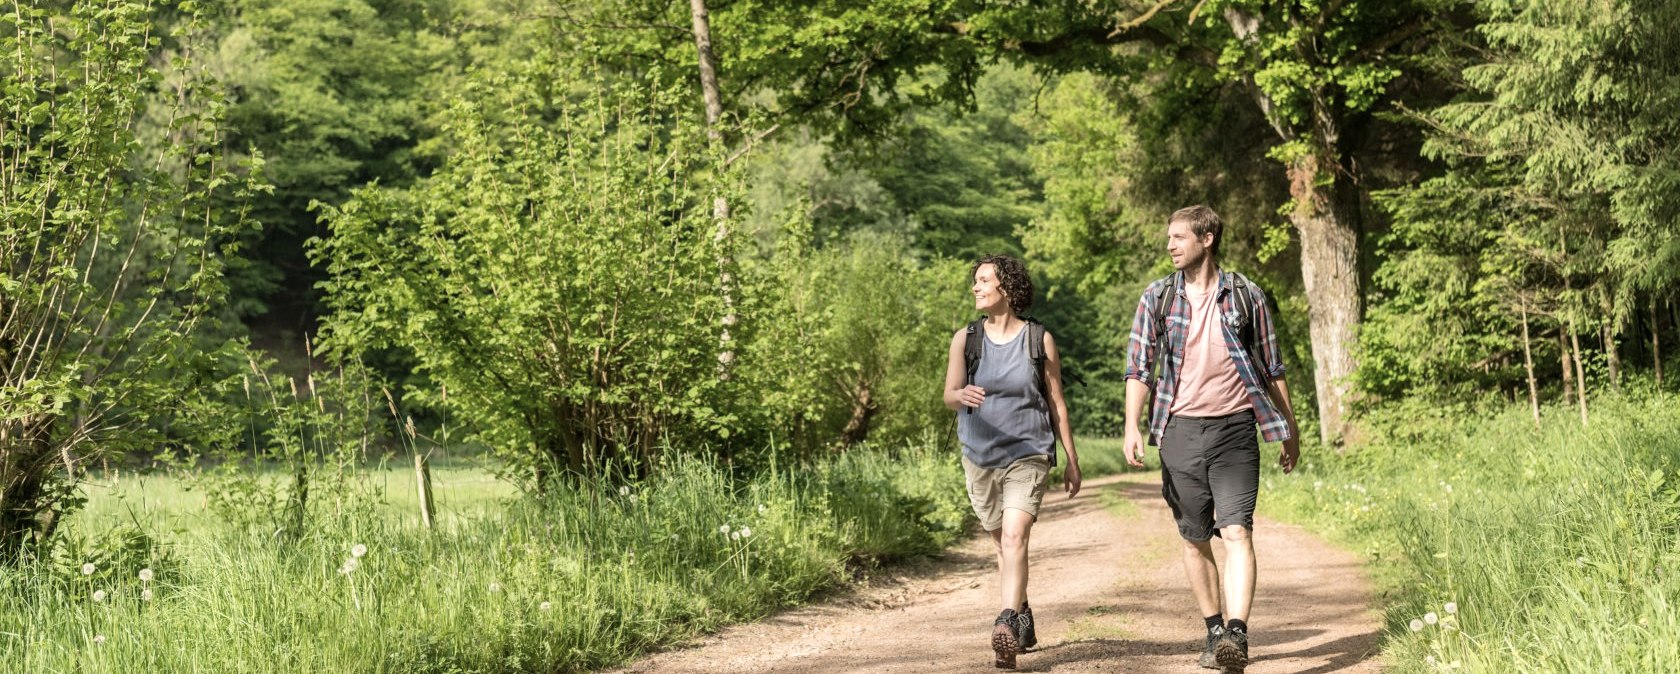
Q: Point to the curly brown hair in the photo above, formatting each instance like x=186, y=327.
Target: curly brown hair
x=1012, y=277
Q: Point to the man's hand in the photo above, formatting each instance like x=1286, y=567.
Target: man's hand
x=1070, y=479
x=1134, y=448
x=971, y=396
x=1291, y=453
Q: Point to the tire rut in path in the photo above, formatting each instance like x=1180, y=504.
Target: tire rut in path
x=1107, y=589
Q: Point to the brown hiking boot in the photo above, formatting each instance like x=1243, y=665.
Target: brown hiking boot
x=1006, y=641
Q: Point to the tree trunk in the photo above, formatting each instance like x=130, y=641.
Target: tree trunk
x=863, y=411
x=1656, y=341
x=1327, y=218
x=1568, y=368
x=1528, y=366
x=720, y=204
x=1580, y=372
x=1607, y=334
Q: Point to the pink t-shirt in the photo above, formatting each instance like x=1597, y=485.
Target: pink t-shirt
x=1208, y=384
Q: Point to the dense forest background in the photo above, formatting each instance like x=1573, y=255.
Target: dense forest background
x=580, y=233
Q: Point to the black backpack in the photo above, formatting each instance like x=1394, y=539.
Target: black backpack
x=1244, y=295
x=973, y=348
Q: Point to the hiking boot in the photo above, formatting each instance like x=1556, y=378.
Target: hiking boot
x=1024, y=626
x=1208, y=661
x=1006, y=640
x=1232, y=651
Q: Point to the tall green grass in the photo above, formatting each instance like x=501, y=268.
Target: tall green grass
x=1512, y=548
x=577, y=579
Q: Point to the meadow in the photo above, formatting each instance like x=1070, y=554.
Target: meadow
x=1503, y=547
x=153, y=579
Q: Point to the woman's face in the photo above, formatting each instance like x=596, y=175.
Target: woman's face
x=988, y=293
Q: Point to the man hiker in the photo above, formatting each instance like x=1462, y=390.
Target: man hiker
x=1212, y=337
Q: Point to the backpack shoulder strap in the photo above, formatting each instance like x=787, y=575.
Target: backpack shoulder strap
x=1163, y=299
x=973, y=347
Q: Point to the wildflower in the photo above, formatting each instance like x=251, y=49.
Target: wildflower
x=1318, y=484
x=761, y=508
x=735, y=536
x=350, y=566
x=358, y=551
x=98, y=596
x=545, y=606
x=1429, y=659
x=623, y=491
x=1431, y=618
x=1580, y=561
x=495, y=587
x=675, y=537
x=724, y=530
x=146, y=595
x=1451, y=607
x=146, y=575
x=1416, y=625
x=87, y=569
x=1448, y=487
x=746, y=532
x=98, y=639
x=633, y=499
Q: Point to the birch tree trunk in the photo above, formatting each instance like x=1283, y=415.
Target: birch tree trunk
x=720, y=204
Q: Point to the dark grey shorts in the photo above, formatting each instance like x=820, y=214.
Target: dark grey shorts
x=1210, y=473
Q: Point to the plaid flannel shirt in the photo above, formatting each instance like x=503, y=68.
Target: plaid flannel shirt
x=1141, y=355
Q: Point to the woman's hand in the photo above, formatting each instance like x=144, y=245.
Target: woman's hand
x=1070, y=479
x=971, y=396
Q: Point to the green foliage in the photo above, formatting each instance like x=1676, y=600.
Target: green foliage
x=558, y=277
x=111, y=253
x=1554, y=545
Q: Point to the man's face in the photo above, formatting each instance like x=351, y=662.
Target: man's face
x=1186, y=249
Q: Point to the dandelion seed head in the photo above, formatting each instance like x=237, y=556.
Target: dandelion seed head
x=358, y=551
x=735, y=536
x=98, y=639
x=633, y=499
x=724, y=530
x=146, y=595
x=746, y=532
x=1451, y=607
x=350, y=566
x=146, y=575
x=545, y=606
x=88, y=569
x=1580, y=561
x=495, y=587
x=762, y=508
x=1416, y=625
x=98, y=596
x=675, y=537
x=623, y=491
x=1429, y=659
x=1431, y=618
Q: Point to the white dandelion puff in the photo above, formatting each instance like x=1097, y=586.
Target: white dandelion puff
x=98, y=639
x=675, y=537
x=762, y=508
x=358, y=551
x=633, y=499
x=1429, y=659
x=545, y=606
x=735, y=536
x=146, y=595
x=146, y=575
x=724, y=530
x=1431, y=618
x=1580, y=561
x=746, y=532
x=623, y=491
x=88, y=569
x=495, y=587
x=350, y=566
x=1416, y=625
x=1450, y=608
x=98, y=596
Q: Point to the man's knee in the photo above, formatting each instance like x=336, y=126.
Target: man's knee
x=1235, y=533
x=1013, y=538
x=1202, y=547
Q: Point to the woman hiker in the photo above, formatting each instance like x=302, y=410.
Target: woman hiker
x=1007, y=391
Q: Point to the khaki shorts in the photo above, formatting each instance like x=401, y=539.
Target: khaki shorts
x=1020, y=486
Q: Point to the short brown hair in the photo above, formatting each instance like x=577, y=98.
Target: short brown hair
x=1203, y=221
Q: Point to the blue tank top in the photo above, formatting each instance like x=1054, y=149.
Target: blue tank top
x=1014, y=421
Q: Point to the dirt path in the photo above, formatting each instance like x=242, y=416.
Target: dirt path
x=1108, y=592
